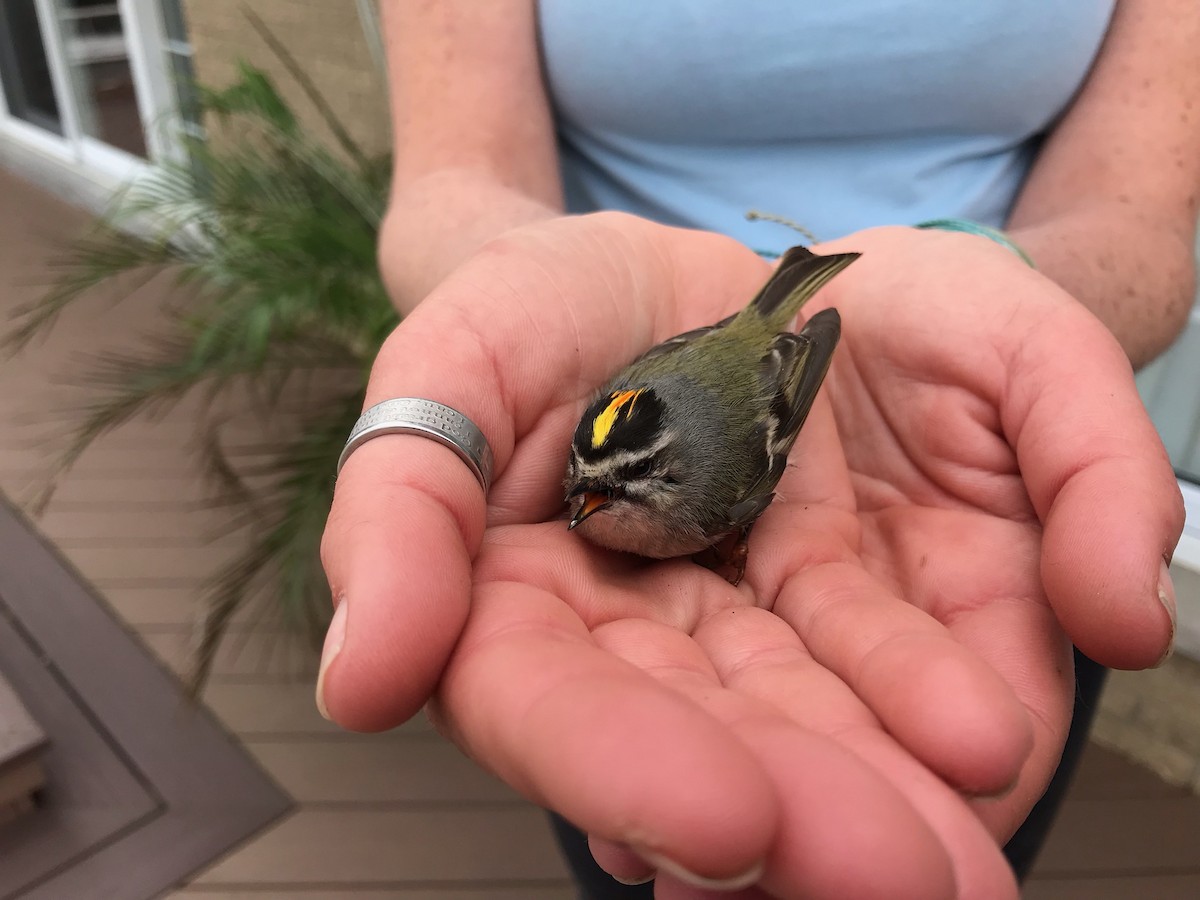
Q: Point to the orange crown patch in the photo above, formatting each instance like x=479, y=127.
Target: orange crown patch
x=618, y=401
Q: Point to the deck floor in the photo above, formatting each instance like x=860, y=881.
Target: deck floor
x=401, y=814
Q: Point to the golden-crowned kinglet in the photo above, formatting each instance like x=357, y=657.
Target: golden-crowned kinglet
x=684, y=447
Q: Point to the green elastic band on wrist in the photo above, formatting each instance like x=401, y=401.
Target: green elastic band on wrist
x=966, y=226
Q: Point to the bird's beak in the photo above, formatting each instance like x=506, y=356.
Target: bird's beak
x=593, y=502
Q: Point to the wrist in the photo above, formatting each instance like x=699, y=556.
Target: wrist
x=967, y=226
x=435, y=223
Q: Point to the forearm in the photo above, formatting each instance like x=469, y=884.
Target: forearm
x=1109, y=208
x=1136, y=276
x=475, y=151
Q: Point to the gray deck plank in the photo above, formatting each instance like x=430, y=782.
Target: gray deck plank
x=344, y=846
x=1116, y=887
x=406, y=891
x=425, y=769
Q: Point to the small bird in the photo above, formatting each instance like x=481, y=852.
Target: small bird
x=681, y=451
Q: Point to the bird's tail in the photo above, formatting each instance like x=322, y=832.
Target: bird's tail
x=800, y=274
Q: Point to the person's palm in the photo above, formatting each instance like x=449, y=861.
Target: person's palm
x=892, y=624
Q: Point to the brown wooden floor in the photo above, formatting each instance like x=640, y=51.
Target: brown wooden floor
x=403, y=814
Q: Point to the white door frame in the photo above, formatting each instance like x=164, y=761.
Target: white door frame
x=87, y=156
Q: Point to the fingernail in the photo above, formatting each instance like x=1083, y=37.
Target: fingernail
x=672, y=868
x=334, y=638
x=1166, y=596
x=634, y=882
x=994, y=795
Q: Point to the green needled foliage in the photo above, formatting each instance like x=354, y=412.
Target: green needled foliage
x=269, y=238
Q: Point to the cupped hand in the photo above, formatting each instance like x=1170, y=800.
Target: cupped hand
x=888, y=684
x=1006, y=475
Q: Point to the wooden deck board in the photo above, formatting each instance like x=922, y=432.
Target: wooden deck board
x=339, y=846
x=1125, y=835
x=424, y=769
x=404, y=891
x=1116, y=887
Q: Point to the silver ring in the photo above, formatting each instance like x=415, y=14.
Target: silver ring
x=412, y=415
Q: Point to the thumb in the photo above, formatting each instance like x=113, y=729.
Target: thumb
x=1103, y=487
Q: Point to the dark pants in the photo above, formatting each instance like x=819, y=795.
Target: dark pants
x=596, y=884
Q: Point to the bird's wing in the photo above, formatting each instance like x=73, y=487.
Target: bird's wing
x=793, y=369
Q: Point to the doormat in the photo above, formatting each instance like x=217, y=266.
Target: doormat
x=142, y=787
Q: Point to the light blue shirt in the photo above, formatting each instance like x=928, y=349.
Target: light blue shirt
x=838, y=115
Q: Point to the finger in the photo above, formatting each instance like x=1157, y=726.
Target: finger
x=836, y=810
x=628, y=868
x=530, y=696
x=623, y=864
x=619, y=861
x=1000, y=613
x=1102, y=485
x=397, y=552
x=757, y=654
x=1034, y=658
x=940, y=701
x=406, y=519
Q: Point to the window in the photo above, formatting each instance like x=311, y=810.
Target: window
x=25, y=68
x=96, y=54
x=103, y=84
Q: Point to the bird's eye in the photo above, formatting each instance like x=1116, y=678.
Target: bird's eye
x=643, y=469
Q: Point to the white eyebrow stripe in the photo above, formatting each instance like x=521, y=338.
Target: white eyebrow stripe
x=610, y=462
x=617, y=458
